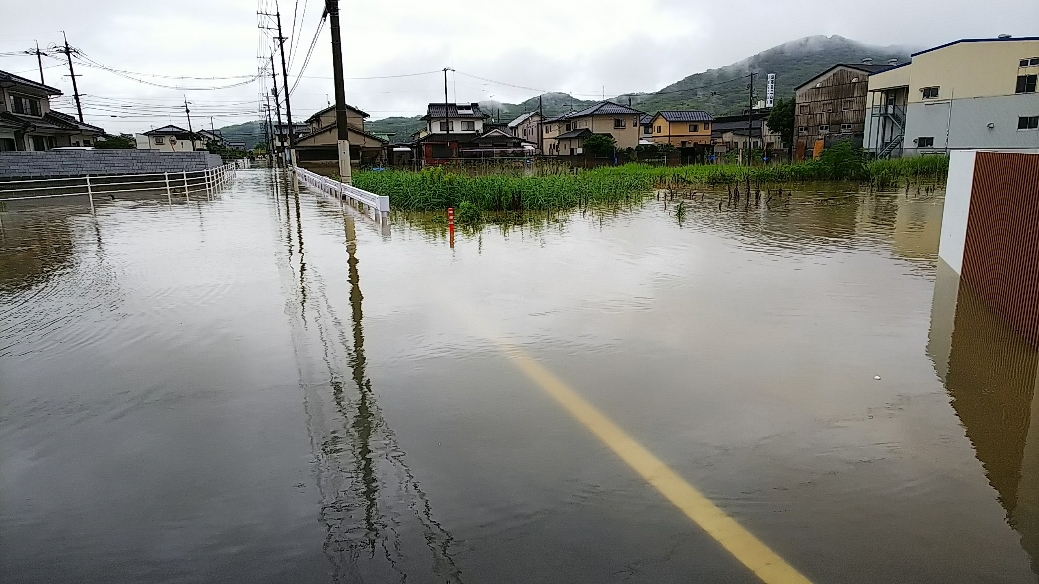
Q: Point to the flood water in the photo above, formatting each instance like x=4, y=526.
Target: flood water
x=270, y=387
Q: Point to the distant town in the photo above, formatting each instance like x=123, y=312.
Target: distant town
x=935, y=101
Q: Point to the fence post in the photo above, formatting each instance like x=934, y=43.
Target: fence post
x=90, y=194
x=186, y=195
x=169, y=195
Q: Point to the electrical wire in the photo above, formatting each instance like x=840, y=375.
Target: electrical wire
x=306, y=61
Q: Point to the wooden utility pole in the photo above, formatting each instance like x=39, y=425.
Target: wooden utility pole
x=541, y=125
x=447, y=112
x=75, y=89
x=342, y=131
x=285, y=87
x=191, y=131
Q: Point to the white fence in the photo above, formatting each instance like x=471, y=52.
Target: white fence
x=171, y=184
x=378, y=203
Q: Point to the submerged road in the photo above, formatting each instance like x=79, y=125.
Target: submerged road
x=270, y=387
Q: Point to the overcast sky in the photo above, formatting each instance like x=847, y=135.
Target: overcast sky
x=584, y=47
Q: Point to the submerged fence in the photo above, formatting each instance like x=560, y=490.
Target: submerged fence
x=378, y=203
x=171, y=185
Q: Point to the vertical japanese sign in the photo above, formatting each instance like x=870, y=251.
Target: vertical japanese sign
x=770, y=91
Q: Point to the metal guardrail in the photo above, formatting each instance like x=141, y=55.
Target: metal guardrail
x=380, y=203
x=175, y=183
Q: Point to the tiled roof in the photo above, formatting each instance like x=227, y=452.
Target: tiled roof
x=52, y=120
x=332, y=108
x=867, y=69
x=12, y=78
x=166, y=130
x=471, y=111
x=607, y=108
x=522, y=118
x=574, y=134
x=645, y=119
x=561, y=117
x=685, y=116
x=73, y=123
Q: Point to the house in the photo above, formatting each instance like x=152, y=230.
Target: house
x=320, y=139
x=646, y=123
x=497, y=143
x=740, y=133
x=565, y=135
x=527, y=126
x=27, y=121
x=281, y=134
x=208, y=136
x=831, y=107
x=967, y=94
x=449, y=129
x=681, y=129
x=170, y=139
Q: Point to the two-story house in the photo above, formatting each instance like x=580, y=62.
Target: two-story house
x=831, y=107
x=170, y=139
x=527, y=126
x=450, y=128
x=565, y=135
x=27, y=121
x=321, y=138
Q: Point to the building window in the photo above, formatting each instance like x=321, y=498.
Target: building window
x=7, y=145
x=803, y=130
x=803, y=109
x=658, y=130
x=618, y=123
x=159, y=140
x=448, y=126
x=824, y=128
x=930, y=92
x=1026, y=83
x=1028, y=123
x=569, y=126
x=26, y=106
x=468, y=126
x=706, y=126
x=86, y=142
x=1029, y=62
x=848, y=104
x=647, y=130
x=694, y=127
x=925, y=142
x=845, y=128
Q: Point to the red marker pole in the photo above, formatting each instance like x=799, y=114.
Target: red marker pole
x=451, y=224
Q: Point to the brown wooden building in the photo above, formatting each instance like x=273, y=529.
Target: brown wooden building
x=831, y=108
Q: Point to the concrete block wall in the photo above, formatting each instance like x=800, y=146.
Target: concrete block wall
x=64, y=163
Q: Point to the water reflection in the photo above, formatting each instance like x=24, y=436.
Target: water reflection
x=36, y=246
x=375, y=514
x=991, y=374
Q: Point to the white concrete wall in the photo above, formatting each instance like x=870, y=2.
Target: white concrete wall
x=965, y=123
x=957, y=207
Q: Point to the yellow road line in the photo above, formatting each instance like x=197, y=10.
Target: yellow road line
x=742, y=544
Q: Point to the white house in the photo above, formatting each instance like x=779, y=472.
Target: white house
x=170, y=139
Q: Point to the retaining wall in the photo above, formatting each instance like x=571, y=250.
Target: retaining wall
x=62, y=163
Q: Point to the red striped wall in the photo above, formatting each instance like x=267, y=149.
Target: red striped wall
x=1001, y=248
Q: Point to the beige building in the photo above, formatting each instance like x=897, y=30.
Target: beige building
x=565, y=135
x=681, y=129
x=321, y=140
x=527, y=127
x=967, y=94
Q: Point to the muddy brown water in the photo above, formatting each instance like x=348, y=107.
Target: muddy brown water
x=269, y=387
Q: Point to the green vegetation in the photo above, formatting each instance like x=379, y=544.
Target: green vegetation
x=119, y=142
x=600, y=144
x=781, y=119
x=434, y=189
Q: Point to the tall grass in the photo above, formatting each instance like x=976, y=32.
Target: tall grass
x=435, y=189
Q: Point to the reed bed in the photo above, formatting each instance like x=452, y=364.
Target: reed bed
x=434, y=189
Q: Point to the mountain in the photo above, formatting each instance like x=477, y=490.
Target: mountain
x=250, y=132
x=721, y=91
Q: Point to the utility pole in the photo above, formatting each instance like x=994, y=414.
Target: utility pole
x=277, y=104
x=191, y=131
x=750, y=115
x=75, y=89
x=39, y=60
x=447, y=112
x=541, y=125
x=342, y=131
x=285, y=87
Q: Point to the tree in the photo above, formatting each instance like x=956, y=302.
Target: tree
x=122, y=141
x=781, y=119
x=600, y=145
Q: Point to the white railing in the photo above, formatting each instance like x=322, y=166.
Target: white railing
x=169, y=183
x=379, y=203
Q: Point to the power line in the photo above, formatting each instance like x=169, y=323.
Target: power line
x=310, y=51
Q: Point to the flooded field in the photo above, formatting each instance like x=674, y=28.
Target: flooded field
x=271, y=387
